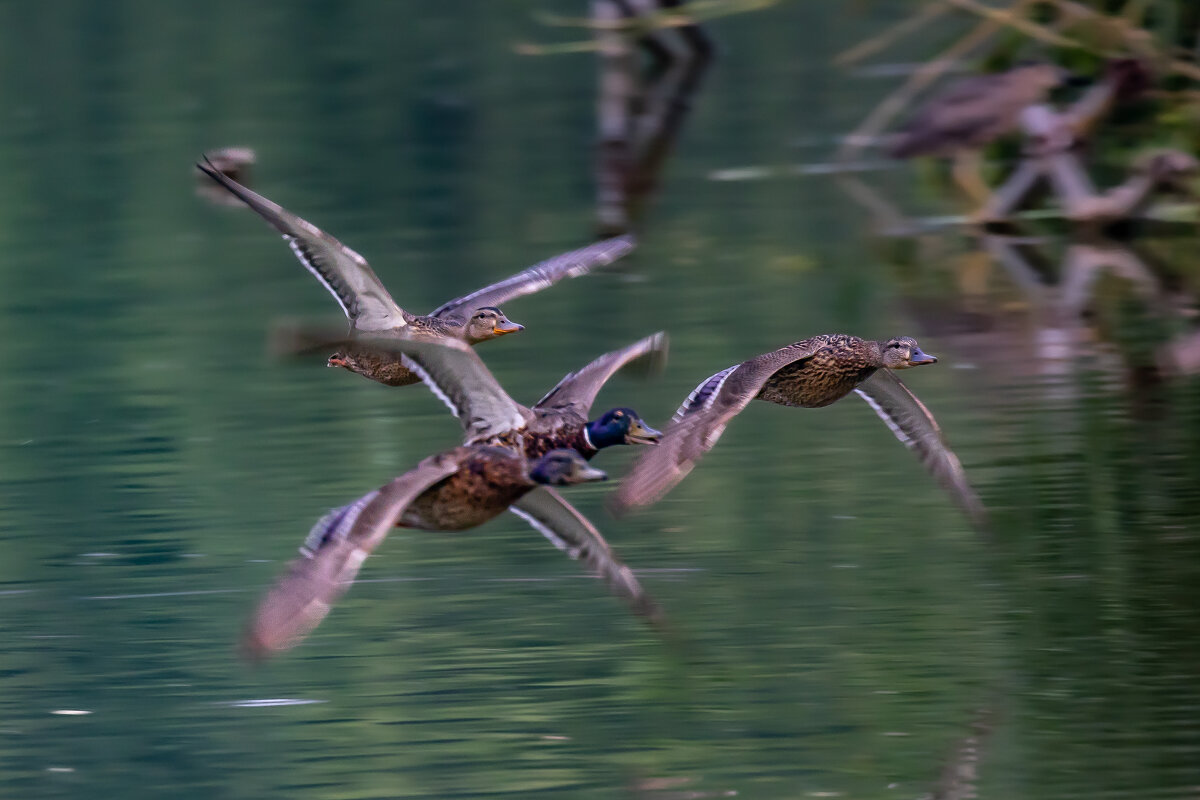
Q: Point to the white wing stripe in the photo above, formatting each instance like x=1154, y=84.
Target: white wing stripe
x=334, y=525
x=904, y=438
x=428, y=380
x=542, y=282
x=707, y=383
x=547, y=531
x=544, y=274
x=294, y=244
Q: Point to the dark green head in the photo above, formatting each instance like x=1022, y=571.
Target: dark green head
x=620, y=426
x=563, y=468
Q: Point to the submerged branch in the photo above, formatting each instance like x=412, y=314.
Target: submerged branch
x=870, y=47
x=902, y=98
x=1010, y=18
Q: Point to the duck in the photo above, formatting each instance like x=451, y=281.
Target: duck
x=370, y=310
x=458, y=377
x=811, y=373
x=971, y=113
x=454, y=490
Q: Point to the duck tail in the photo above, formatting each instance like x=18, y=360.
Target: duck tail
x=292, y=338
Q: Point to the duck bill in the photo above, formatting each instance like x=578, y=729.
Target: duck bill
x=920, y=357
x=587, y=474
x=641, y=433
x=504, y=327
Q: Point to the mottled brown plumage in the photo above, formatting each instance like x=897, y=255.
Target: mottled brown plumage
x=451, y=491
x=388, y=368
x=374, y=364
x=488, y=480
x=472, y=318
x=833, y=366
x=809, y=374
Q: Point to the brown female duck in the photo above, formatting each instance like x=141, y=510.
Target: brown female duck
x=473, y=318
x=451, y=491
x=456, y=375
x=810, y=374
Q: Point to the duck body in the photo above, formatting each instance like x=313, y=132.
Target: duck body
x=568, y=428
x=488, y=480
x=373, y=365
x=838, y=364
x=546, y=430
x=553, y=429
x=389, y=368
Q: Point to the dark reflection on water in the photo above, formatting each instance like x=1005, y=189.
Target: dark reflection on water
x=839, y=629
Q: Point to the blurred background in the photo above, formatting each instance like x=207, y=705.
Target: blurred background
x=841, y=629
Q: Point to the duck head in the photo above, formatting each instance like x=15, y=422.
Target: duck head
x=489, y=322
x=903, y=352
x=620, y=426
x=563, y=468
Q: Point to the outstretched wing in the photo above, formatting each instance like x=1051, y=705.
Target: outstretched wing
x=456, y=375
x=914, y=425
x=331, y=556
x=699, y=423
x=539, y=276
x=579, y=389
x=340, y=270
x=568, y=530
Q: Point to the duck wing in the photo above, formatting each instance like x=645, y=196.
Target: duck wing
x=579, y=388
x=331, y=556
x=568, y=530
x=539, y=276
x=699, y=423
x=914, y=425
x=457, y=376
x=343, y=272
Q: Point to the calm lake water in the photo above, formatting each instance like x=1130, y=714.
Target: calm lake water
x=840, y=629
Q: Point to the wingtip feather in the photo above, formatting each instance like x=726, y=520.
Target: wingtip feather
x=208, y=168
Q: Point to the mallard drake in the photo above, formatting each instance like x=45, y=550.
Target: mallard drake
x=969, y=114
x=810, y=374
x=450, y=491
x=472, y=318
x=457, y=376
